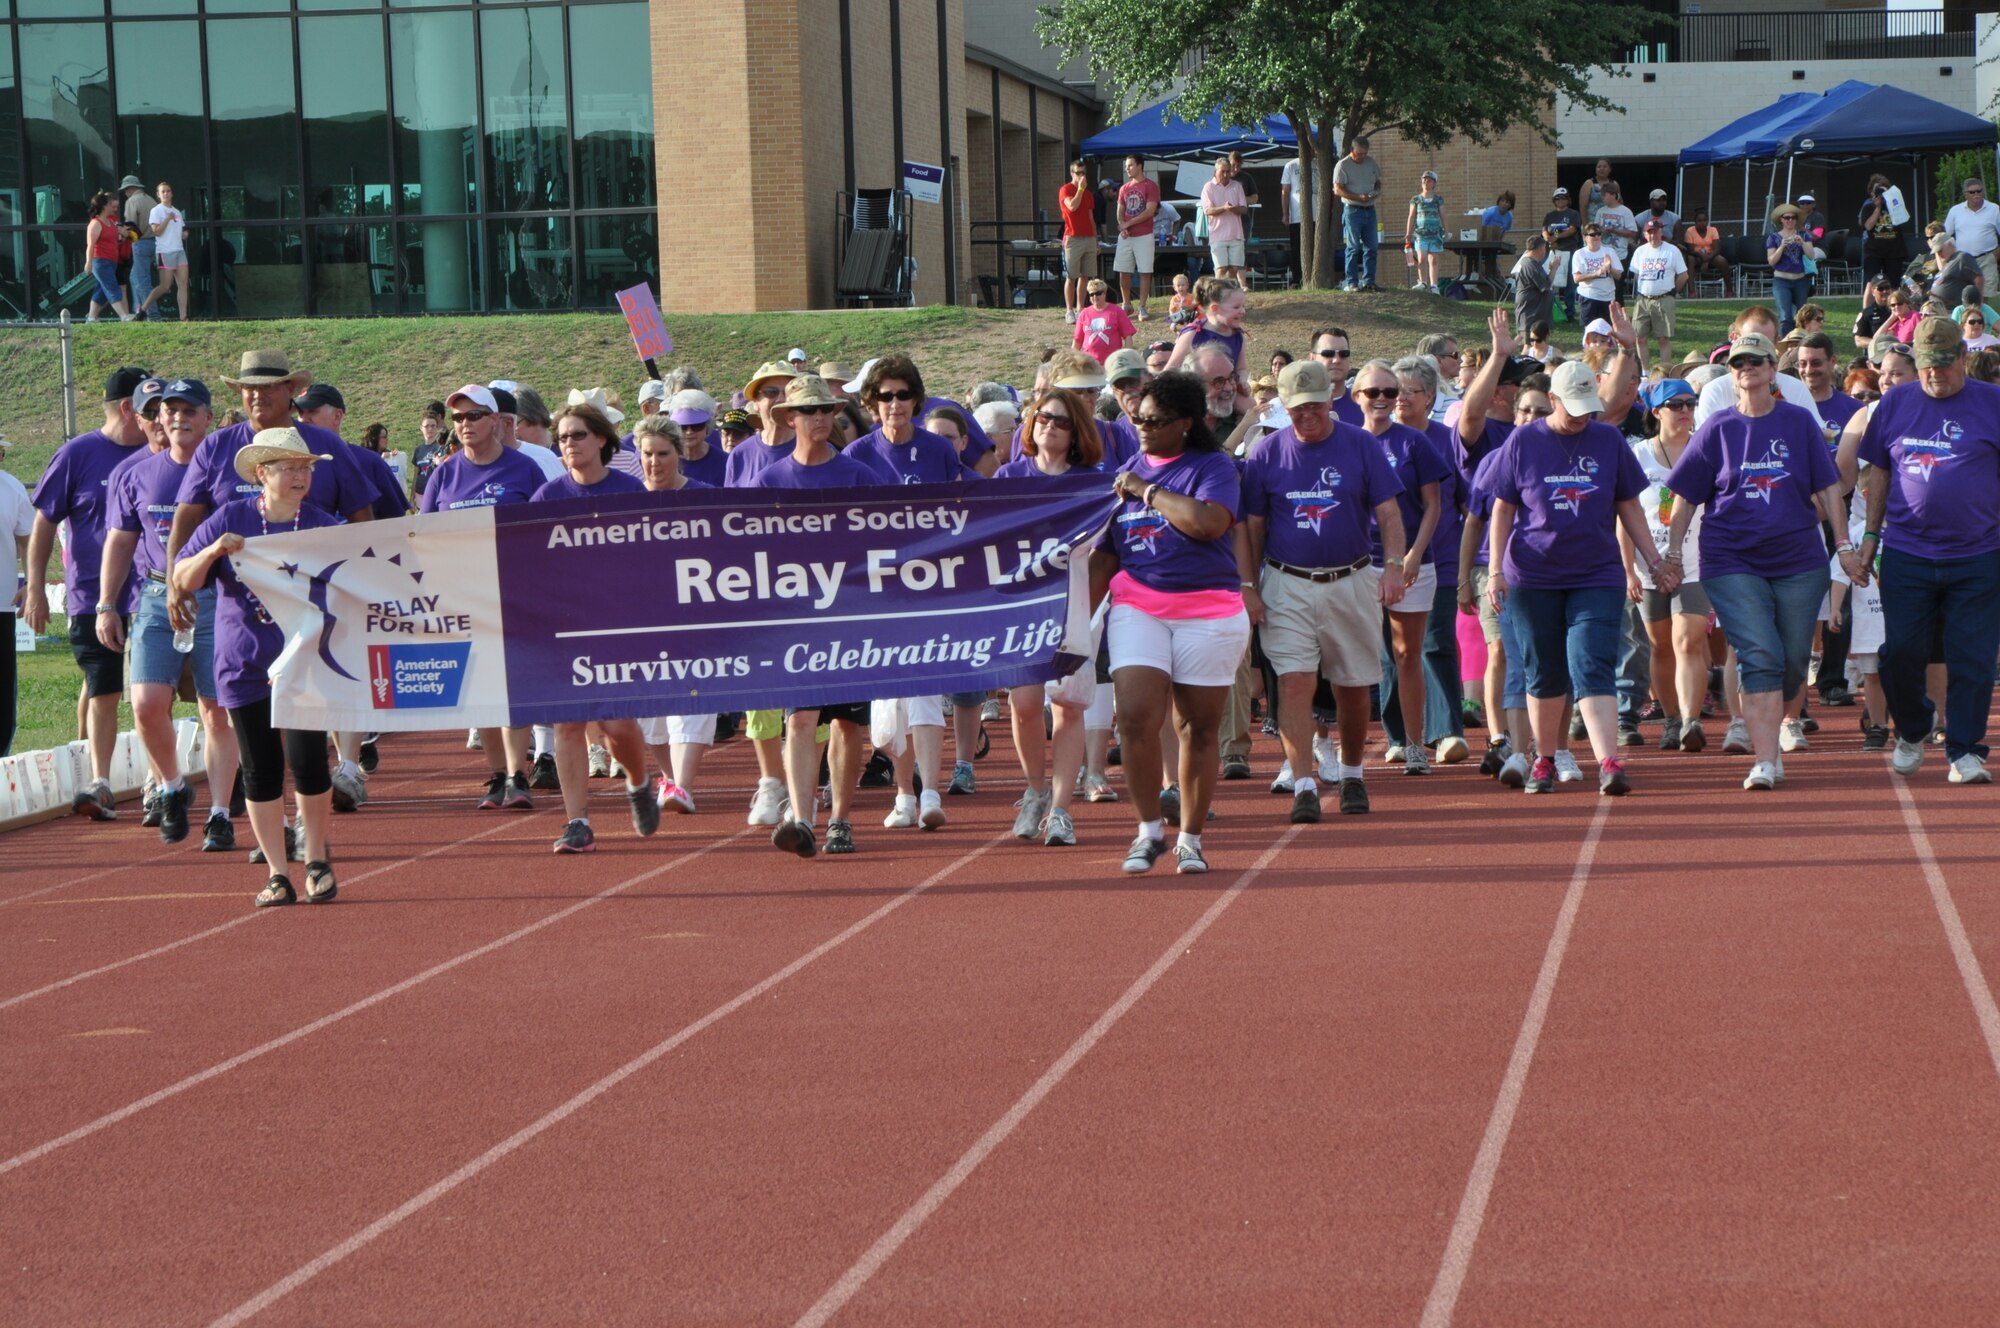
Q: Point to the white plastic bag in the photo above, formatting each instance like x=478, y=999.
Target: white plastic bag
x=888, y=725
x=1077, y=690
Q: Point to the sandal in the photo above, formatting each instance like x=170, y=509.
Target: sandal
x=278, y=892
x=320, y=887
x=984, y=745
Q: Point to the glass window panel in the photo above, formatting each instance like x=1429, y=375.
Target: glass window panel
x=68, y=109
x=345, y=97
x=527, y=134
x=263, y=272
x=437, y=266
x=431, y=55
x=528, y=264
x=10, y=133
x=612, y=71
x=255, y=116
x=124, y=8
x=60, y=273
x=421, y=4
x=159, y=107
x=60, y=8
x=354, y=269
x=13, y=276
x=618, y=252
x=248, y=6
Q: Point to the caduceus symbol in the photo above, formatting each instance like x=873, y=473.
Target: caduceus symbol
x=381, y=689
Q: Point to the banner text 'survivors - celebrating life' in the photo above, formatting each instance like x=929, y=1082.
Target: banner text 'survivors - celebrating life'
x=687, y=603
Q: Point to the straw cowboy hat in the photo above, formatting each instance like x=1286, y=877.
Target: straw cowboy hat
x=274, y=445
x=595, y=397
x=766, y=372
x=807, y=390
x=261, y=368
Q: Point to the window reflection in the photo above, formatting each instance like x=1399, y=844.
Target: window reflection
x=614, y=105
x=10, y=134
x=345, y=101
x=618, y=252
x=431, y=56
x=254, y=118
x=68, y=109
x=527, y=134
x=354, y=269
x=528, y=261
x=159, y=107
x=436, y=267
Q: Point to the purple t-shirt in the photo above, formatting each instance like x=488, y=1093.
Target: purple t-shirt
x=1837, y=410
x=144, y=492
x=459, y=481
x=1567, y=487
x=247, y=641
x=712, y=465
x=1943, y=459
x=1157, y=555
x=1479, y=502
x=390, y=500
x=1121, y=441
x=839, y=472
x=751, y=455
x=1451, y=501
x=977, y=444
x=338, y=486
x=1492, y=435
x=1024, y=468
x=1348, y=411
x=925, y=459
x=1757, y=477
x=1317, y=499
x=1416, y=463
x=565, y=485
x=77, y=488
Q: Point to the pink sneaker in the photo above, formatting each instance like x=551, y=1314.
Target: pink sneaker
x=674, y=798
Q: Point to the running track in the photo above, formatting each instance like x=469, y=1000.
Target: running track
x=1697, y=1056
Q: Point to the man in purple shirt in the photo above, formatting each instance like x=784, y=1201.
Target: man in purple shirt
x=1933, y=490
x=74, y=490
x=1303, y=553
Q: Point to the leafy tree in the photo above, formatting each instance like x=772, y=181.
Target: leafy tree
x=1342, y=69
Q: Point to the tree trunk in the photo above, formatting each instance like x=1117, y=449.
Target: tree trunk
x=1327, y=254
x=1307, y=203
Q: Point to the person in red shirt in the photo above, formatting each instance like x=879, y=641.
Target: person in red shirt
x=1079, y=235
x=1138, y=203
x=1101, y=326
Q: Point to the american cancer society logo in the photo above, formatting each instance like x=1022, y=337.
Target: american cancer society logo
x=414, y=677
x=418, y=648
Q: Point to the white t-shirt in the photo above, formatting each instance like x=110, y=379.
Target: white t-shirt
x=1289, y=177
x=1595, y=272
x=17, y=518
x=170, y=238
x=1975, y=233
x=545, y=457
x=1721, y=395
x=1658, y=502
x=1654, y=267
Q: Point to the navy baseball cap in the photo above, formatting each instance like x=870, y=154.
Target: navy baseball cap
x=186, y=389
x=319, y=394
x=124, y=382
x=146, y=396
x=504, y=401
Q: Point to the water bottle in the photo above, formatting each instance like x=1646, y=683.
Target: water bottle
x=184, y=640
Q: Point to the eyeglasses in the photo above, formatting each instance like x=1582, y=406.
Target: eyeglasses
x=1864, y=396
x=469, y=416
x=288, y=467
x=1333, y=354
x=826, y=409
x=904, y=394
x=772, y=393
x=1377, y=393
x=1054, y=421
x=1153, y=421
x=1222, y=380
x=574, y=436
x=1678, y=403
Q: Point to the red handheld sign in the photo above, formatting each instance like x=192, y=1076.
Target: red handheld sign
x=642, y=315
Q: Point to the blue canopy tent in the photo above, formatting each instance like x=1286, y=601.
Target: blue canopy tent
x=1158, y=133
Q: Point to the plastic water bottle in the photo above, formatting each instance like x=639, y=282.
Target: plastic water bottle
x=184, y=640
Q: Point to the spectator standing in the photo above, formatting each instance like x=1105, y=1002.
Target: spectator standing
x=1357, y=179
x=1138, y=203
x=1883, y=253
x=1295, y=193
x=1791, y=256
x=1497, y=220
x=1974, y=227
x=1620, y=227
x=1657, y=210
x=1423, y=231
x=1591, y=197
x=1594, y=270
x=138, y=216
x=1704, y=250
x=1079, y=231
x=435, y=446
x=1659, y=274
x=1534, y=291
x=1814, y=224
x=1564, y=228
x=169, y=231
x=1224, y=204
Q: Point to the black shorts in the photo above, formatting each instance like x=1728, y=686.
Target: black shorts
x=854, y=712
x=103, y=668
x=266, y=752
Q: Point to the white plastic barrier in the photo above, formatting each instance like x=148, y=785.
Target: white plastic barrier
x=40, y=784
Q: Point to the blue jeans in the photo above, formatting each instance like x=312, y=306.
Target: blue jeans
x=154, y=659
x=106, y=272
x=145, y=254
x=1770, y=621
x=1513, y=687
x=1569, y=638
x=1788, y=293
x=1917, y=595
x=1358, y=229
x=1444, y=690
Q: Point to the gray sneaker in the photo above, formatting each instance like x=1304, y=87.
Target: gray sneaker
x=1967, y=769
x=1416, y=761
x=1028, y=822
x=1736, y=739
x=963, y=780
x=349, y=790
x=1908, y=757
x=1061, y=831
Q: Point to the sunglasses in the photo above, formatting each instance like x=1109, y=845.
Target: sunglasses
x=574, y=436
x=1054, y=421
x=1333, y=354
x=904, y=394
x=1152, y=421
x=1678, y=403
x=814, y=410
x=1378, y=393
x=469, y=416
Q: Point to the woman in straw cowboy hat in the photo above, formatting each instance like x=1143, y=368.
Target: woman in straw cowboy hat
x=280, y=463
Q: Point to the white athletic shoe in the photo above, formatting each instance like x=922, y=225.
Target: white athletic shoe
x=1326, y=757
x=1736, y=739
x=600, y=762
x=1908, y=757
x=1567, y=770
x=1792, y=737
x=902, y=816
x=930, y=811
x=1283, y=783
x=1514, y=771
x=1763, y=775
x=1969, y=769
x=472, y=740
x=1451, y=749
x=767, y=806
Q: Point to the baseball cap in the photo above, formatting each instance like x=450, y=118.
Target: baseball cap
x=1657, y=193
x=1597, y=327
x=1518, y=369
x=1575, y=386
x=1159, y=346
x=146, y=396
x=735, y=421
x=652, y=390
x=796, y=355
x=1940, y=242
x=1560, y=192
x=1428, y=175
x=692, y=406
x=1304, y=381
x=186, y=389
x=319, y=394
x=503, y=400
x=1659, y=394
x=124, y=382
x=504, y=385
x=477, y=395
x=1752, y=343
x=852, y=386
x=1807, y=198
x=1938, y=343
x=1123, y=364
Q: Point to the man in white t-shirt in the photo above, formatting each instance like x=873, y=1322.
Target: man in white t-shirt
x=170, y=242
x=1974, y=226
x=1295, y=196
x=1720, y=393
x=1659, y=273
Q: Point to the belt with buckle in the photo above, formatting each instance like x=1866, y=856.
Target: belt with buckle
x=160, y=577
x=1321, y=575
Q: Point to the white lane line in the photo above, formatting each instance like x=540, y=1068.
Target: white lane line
x=233, y=922
x=1479, y=1186
x=264, y=1299
x=1969, y=971
x=195, y=1080
x=996, y=1134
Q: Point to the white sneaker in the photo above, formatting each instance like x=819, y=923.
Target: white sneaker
x=1763, y=775
x=1792, y=737
x=989, y=710
x=1969, y=769
x=1394, y=754
x=930, y=811
x=1069, y=315
x=1451, y=749
x=1326, y=756
x=1567, y=770
x=1736, y=739
x=1514, y=771
x=903, y=816
x=767, y=806
x=1908, y=757
x=1283, y=783
x=600, y=762
x=472, y=740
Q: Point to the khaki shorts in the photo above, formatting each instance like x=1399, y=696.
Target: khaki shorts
x=1332, y=628
x=1489, y=617
x=1135, y=254
x=1655, y=316
x=1080, y=256
x=1226, y=253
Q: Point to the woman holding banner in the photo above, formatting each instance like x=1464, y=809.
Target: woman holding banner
x=677, y=742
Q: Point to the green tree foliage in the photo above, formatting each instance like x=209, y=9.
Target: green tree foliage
x=1338, y=69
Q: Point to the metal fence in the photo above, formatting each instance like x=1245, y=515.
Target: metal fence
x=1812, y=35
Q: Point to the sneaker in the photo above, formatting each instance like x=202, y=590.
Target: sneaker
x=1033, y=807
x=1542, y=779
x=1792, y=737
x=1497, y=752
x=516, y=798
x=839, y=837
x=1069, y=315
x=1567, y=770
x=291, y=849
x=1836, y=696
x=795, y=837
x=1060, y=830
x=577, y=838
x=1807, y=724
x=496, y=794
x=1968, y=769
x=1282, y=785
x=1236, y=767
x=370, y=756
x=1452, y=749
x=989, y=710
x=1096, y=788
x=1628, y=734
x=1651, y=713
x=1612, y=782
x=1170, y=804
x=149, y=806
x=1874, y=738
x=1353, y=797
x=902, y=816
x=1736, y=739
x=1393, y=754
x=1670, y=736
x=96, y=801
x=1692, y=738
x=1305, y=807
x=1763, y=775
x=1416, y=761
x=544, y=776
x=1326, y=761
x=766, y=805
x=617, y=770
x=1188, y=860
x=930, y=811
x=963, y=781
x=645, y=810
x=671, y=797
x=879, y=773
x=472, y=740
x=350, y=790
x=1144, y=852
x=218, y=836
x=174, y=813
x=1908, y=757
x=1514, y=771
x=1578, y=732
x=600, y=762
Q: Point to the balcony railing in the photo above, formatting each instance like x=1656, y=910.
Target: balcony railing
x=1793, y=35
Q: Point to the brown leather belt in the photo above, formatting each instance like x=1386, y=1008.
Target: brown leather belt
x=1319, y=574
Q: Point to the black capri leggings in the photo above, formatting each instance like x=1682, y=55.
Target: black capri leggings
x=267, y=751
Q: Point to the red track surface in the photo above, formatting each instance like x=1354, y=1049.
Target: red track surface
x=1734, y=1060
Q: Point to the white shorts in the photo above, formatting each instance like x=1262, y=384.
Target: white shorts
x=1420, y=594
x=1098, y=714
x=1196, y=652
x=1135, y=254
x=678, y=730
x=1226, y=253
x=925, y=710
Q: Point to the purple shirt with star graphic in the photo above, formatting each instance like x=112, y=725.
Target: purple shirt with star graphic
x=247, y=641
x=1318, y=499
x=1566, y=488
x=1152, y=551
x=1943, y=462
x=1757, y=476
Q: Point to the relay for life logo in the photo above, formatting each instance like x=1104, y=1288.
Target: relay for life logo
x=418, y=649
